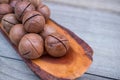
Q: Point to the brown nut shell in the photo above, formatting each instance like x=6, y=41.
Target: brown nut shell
x=33, y=22
x=16, y=33
x=13, y=3
x=5, y=9
x=47, y=31
x=21, y=8
x=31, y=46
x=35, y=2
x=44, y=10
x=56, y=45
x=8, y=21
x=4, y=1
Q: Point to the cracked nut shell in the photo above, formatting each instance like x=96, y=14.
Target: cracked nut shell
x=35, y=2
x=5, y=9
x=16, y=33
x=31, y=46
x=4, y=1
x=33, y=22
x=44, y=10
x=56, y=45
x=13, y=3
x=8, y=21
x=21, y=8
x=47, y=31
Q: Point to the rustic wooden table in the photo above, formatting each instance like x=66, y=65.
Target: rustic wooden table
x=100, y=28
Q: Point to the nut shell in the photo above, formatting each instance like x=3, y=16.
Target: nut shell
x=33, y=22
x=21, y=8
x=4, y=1
x=56, y=45
x=16, y=33
x=31, y=46
x=5, y=9
x=13, y=3
x=47, y=31
x=8, y=21
x=35, y=2
x=44, y=10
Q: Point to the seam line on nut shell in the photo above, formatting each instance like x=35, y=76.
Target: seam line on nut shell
x=32, y=45
x=31, y=18
x=8, y=21
x=26, y=53
x=24, y=10
x=60, y=41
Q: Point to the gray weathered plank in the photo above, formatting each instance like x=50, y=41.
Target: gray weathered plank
x=6, y=49
x=100, y=29
x=17, y=70
x=105, y=5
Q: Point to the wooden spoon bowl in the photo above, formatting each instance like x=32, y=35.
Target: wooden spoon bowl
x=69, y=67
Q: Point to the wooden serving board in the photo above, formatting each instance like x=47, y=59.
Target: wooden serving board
x=69, y=67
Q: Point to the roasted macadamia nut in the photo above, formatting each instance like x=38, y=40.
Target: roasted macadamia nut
x=56, y=45
x=27, y=25
x=13, y=3
x=47, y=31
x=4, y=1
x=5, y=9
x=8, y=21
x=33, y=22
x=16, y=33
x=35, y=2
x=31, y=46
x=21, y=8
x=44, y=10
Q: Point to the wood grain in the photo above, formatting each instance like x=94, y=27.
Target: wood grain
x=103, y=5
x=101, y=29
x=20, y=70
x=74, y=64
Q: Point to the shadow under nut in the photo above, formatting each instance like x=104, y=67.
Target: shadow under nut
x=1, y=17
